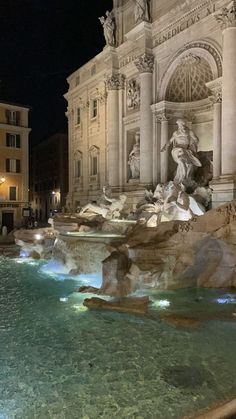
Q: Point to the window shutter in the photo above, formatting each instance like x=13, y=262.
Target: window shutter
x=8, y=140
x=17, y=166
x=7, y=165
x=18, y=141
x=17, y=118
x=8, y=115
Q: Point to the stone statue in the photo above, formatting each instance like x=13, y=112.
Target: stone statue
x=141, y=12
x=184, y=151
x=109, y=28
x=134, y=158
x=109, y=210
x=133, y=95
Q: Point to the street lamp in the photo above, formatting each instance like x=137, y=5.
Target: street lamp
x=2, y=180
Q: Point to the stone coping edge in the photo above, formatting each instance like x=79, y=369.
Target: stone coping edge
x=225, y=411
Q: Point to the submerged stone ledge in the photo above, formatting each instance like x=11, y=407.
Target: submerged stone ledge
x=137, y=305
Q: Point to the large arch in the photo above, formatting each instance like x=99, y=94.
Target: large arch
x=209, y=60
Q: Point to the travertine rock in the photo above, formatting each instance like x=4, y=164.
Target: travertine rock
x=124, y=305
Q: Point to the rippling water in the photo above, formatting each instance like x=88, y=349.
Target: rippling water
x=59, y=361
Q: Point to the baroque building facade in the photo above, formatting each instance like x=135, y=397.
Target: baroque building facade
x=163, y=60
x=14, y=168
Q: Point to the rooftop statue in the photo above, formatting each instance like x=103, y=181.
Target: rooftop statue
x=141, y=12
x=184, y=150
x=109, y=28
x=110, y=209
x=134, y=158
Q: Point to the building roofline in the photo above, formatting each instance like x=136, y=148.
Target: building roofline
x=18, y=105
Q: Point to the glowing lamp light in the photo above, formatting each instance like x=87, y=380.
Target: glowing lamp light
x=2, y=180
x=38, y=236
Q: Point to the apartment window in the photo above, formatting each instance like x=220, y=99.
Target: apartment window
x=13, y=140
x=78, y=118
x=13, y=165
x=13, y=117
x=12, y=193
x=94, y=108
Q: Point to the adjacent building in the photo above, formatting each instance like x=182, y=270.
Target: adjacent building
x=163, y=60
x=49, y=176
x=14, y=138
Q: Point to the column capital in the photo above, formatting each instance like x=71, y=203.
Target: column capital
x=162, y=117
x=115, y=82
x=145, y=63
x=215, y=87
x=227, y=16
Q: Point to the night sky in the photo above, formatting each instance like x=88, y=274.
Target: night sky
x=42, y=42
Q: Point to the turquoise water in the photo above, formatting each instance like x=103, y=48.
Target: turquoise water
x=58, y=360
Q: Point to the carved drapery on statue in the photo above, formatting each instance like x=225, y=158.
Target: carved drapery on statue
x=134, y=158
x=184, y=152
x=109, y=28
x=141, y=11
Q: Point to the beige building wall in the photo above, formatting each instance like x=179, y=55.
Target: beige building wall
x=14, y=170
x=174, y=61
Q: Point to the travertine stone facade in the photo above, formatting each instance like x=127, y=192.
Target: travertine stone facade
x=174, y=60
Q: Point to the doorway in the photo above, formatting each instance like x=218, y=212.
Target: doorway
x=8, y=220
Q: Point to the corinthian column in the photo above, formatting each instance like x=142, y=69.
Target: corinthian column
x=227, y=19
x=164, y=140
x=114, y=83
x=216, y=87
x=145, y=65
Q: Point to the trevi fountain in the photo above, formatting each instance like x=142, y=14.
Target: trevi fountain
x=122, y=313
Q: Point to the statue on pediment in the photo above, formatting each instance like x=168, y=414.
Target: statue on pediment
x=109, y=28
x=141, y=11
x=184, y=152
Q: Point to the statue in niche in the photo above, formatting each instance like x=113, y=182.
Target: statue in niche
x=133, y=94
x=111, y=208
x=141, y=11
x=184, y=151
x=134, y=158
x=109, y=28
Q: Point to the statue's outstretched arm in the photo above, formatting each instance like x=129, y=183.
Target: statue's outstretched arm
x=167, y=145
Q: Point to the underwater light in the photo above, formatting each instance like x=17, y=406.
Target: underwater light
x=64, y=299
x=162, y=303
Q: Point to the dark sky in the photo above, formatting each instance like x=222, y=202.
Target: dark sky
x=41, y=43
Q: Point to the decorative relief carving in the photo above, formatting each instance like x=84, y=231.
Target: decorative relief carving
x=115, y=82
x=162, y=117
x=145, y=63
x=227, y=17
x=133, y=94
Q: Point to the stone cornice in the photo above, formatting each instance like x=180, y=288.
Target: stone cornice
x=115, y=82
x=227, y=16
x=171, y=109
x=145, y=63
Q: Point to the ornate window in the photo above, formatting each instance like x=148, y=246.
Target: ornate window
x=94, y=165
x=94, y=108
x=78, y=164
x=78, y=116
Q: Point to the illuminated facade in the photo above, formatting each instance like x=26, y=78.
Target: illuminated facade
x=170, y=60
x=14, y=137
